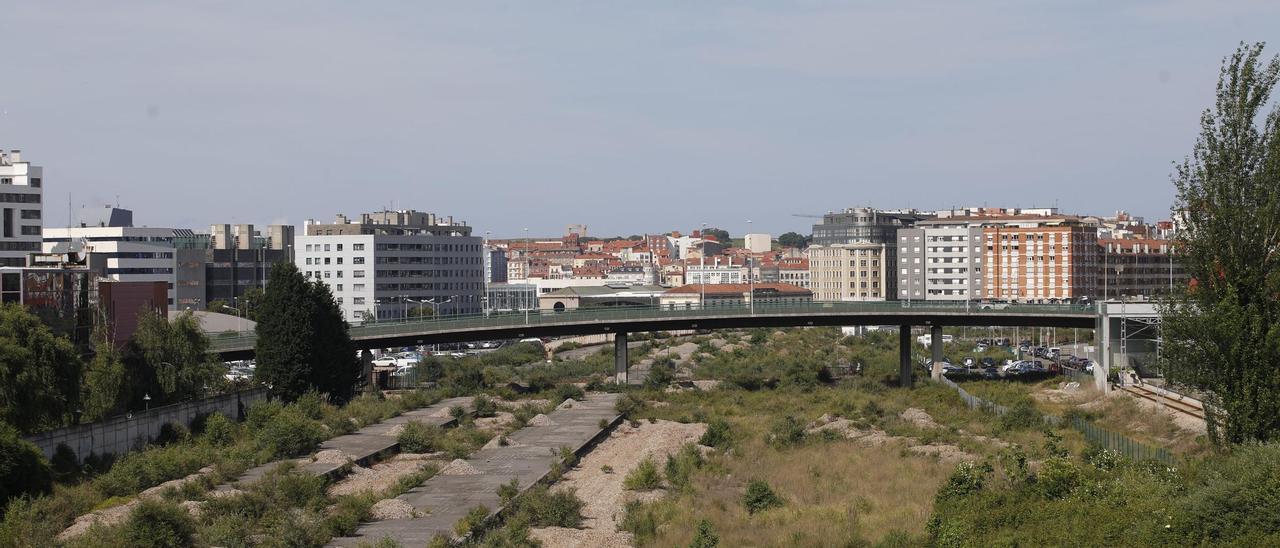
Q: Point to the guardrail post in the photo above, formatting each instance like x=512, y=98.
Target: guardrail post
x=904, y=356
x=935, y=344
x=620, y=357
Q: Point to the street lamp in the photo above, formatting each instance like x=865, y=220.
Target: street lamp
x=146, y=400
x=240, y=315
x=751, y=279
x=702, y=268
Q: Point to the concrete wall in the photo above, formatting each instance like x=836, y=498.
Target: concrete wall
x=124, y=433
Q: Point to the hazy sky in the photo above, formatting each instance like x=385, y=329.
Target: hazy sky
x=628, y=117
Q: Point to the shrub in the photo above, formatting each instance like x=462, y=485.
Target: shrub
x=140, y=470
x=1020, y=416
x=644, y=477
x=261, y=412
x=967, y=478
x=172, y=432
x=1057, y=478
x=508, y=491
x=681, y=466
x=484, y=407
x=419, y=438
x=717, y=434
x=158, y=524
x=543, y=508
x=759, y=497
x=567, y=391
x=639, y=520
x=628, y=405
x=458, y=412
x=472, y=521
x=290, y=434
x=218, y=430
x=660, y=375
x=785, y=432
x=66, y=468
x=705, y=537
x=23, y=470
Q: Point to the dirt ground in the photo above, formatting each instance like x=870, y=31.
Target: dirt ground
x=381, y=476
x=624, y=449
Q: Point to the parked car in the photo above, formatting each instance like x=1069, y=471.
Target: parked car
x=990, y=373
x=385, y=361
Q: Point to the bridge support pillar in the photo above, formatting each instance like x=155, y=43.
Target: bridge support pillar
x=620, y=357
x=936, y=344
x=904, y=356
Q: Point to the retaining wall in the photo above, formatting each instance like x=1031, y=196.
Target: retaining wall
x=123, y=433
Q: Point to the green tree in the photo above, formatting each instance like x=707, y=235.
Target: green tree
x=721, y=235
x=219, y=306
x=171, y=361
x=1222, y=332
x=706, y=536
x=250, y=302
x=793, y=239
x=39, y=373
x=303, y=342
x=104, y=390
x=23, y=470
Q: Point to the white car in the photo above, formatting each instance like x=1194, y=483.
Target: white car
x=386, y=361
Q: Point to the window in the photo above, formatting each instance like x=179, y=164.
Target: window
x=308, y=260
x=339, y=285
x=31, y=214
x=357, y=260
x=326, y=247
x=339, y=260
x=339, y=274
x=357, y=287
x=339, y=247
x=326, y=260
x=357, y=274
x=357, y=247
x=357, y=300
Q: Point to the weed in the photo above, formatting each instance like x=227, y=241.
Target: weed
x=644, y=477
x=760, y=497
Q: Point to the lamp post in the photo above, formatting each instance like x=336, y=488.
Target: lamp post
x=751, y=279
x=146, y=401
x=702, y=268
x=240, y=327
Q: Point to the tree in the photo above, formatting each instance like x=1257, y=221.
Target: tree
x=39, y=373
x=793, y=239
x=171, y=361
x=1222, y=332
x=219, y=306
x=706, y=536
x=250, y=302
x=721, y=235
x=303, y=342
x=104, y=390
x=23, y=470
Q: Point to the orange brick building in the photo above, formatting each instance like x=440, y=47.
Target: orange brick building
x=1039, y=259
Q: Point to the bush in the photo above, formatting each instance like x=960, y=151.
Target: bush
x=261, y=412
x=717, y=434
x=172, y=432
x=660, y=375
x=639, y=520
x=472, y=521
x=66, y=468
x=219, y=430
x=540, y=507
x=628, y=405
x=419, y=438
x=23, y=470
x=1020, y=416
x=785, y=432
x=290, y=434
x=1057, y=478
x=568, y=391
x=158, y=524
x=140, y=470
x=681, y=466
x=483, y=406
x=759, y=497
x=967, y=478
x=508, y=491
x=644, y=477
x=705, y=537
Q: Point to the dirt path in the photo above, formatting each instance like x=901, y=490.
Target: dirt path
x=602, y=491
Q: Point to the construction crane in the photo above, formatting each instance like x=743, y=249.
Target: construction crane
x=806, y=216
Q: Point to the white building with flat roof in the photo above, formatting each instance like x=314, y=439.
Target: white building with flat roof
x=758, y=243
x=20, y=220
x=123, y=253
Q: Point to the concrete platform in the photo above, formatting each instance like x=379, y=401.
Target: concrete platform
x=365, y=445
x=528, y=459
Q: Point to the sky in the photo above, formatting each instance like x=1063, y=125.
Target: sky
x=628, y=117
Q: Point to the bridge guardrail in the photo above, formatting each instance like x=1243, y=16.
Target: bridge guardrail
x=544, y=317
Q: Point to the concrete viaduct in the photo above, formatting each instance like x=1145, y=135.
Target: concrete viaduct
x=621, y=321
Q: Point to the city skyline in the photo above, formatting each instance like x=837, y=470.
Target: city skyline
x=673, y=116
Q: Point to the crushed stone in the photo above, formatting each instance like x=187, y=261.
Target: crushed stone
x=459, y=467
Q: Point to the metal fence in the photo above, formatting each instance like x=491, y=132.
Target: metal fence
x=1094, y=434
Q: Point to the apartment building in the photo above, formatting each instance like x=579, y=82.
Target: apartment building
x=715, y=270
x=1138, y=267
x=225, y=263
x=864, y=225
x=939, y=261
x=849, y=272
x=1039, y=259
x=390, y=264
x=21, y=193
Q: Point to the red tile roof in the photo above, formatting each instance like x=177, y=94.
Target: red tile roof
x=728, y=289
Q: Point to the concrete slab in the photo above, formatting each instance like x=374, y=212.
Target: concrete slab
x=528, y=459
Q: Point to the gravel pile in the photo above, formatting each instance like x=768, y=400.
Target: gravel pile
x=459, y=467
x=332, y=456
x=567, y=404
x=117, y=514
x=392, y=509
x=379, y=477
x=919, y=417
x=540, y=420
x=602, y=492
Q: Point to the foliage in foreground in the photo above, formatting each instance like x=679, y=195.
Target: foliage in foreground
x=1222, y=332
x=1100, y=499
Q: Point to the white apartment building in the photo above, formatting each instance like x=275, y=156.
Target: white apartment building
x=715, y=270
x=940, y=262
x=392, y=264
x=797, y=275
x=124, y=253
x=20, y=196
x=848, y=272
x=758, y=243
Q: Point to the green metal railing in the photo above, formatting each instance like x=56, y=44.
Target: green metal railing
x=495, y=320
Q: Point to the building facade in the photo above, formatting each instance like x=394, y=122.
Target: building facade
x=392, y=264
x=21, y=194
x=864, y=225
x=1039, y=259
x=758, y=243
x=1138, y=268
x=121, y=253
x=227, y=262
x=849, y=272
x=715, y=270
x=938, y=262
